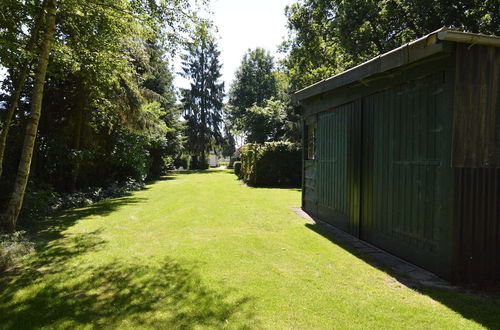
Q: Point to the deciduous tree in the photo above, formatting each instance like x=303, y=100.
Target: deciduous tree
x=329, y=36
x=255, y=83
x=16, y=200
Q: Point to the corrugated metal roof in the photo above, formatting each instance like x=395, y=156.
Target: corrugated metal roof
x=406, y=54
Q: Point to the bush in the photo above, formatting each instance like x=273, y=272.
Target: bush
x=182, y=161
x=271, y=164
x=198, y=163
x=12, y=248
x=231, y=162
x=237, y=169
x=38, y=202
x=92, y=195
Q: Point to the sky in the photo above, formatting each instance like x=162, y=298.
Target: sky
x=243, y=25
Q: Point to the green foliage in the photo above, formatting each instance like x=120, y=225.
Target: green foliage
x=182, y=161
x=232, y=160
x=265, y=123
x=109, y=114
x=255, y=83
x=17, y=17
x=13, y=247
x=228, y=143
x=259, y=106
x=237, y=169
x=38, y=203
x=329, y=36
x=202, y=103
x=271, y=164
x=165, y=147
x=198, y=162
x=93, y=195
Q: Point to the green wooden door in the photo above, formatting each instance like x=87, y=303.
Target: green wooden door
x=337, y=169
x=406, y=172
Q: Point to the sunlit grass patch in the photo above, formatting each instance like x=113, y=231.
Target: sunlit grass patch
x=201, y=250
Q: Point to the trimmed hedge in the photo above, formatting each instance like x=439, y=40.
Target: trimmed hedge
x=231, y=162
x=271, y=164
x=237, y=169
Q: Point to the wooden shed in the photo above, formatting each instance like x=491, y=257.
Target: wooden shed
x=403, y=151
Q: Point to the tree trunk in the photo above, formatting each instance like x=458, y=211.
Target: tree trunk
x=19, y=85
x=16, y=201
x=80, y=104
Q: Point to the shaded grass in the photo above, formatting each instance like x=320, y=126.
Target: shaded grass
x=200, y=250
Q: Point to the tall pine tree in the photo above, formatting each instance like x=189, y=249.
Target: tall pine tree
x=202, y=102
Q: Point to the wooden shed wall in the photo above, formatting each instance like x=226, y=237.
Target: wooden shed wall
x=361, y=184
x=476, y=139
x=382, y=169
x=476, y=158
x=477, y=226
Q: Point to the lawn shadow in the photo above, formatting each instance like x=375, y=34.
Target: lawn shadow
x=207, y=171
x=61, y=286
x=168, y=177
x=480, y=307
x=271, y=186
x=51, y=228
x=166, y=295
x=290, y=188
x=282, y=187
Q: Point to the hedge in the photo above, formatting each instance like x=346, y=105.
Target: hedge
x=271, y=164
x=237, y=169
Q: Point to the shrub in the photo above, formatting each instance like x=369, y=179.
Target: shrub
x=92, y=195
x=38, y=202
x=271, y=164
x=231, y=162
x=237, y=169
x=14, y=247
x=182, y=161
x=198, y=163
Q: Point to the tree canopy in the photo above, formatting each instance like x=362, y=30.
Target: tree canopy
x=329, y=36
x=254, y=85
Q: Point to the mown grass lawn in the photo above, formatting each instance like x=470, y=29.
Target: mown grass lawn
x=201, y=250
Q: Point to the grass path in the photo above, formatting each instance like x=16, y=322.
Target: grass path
x=200, y=250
